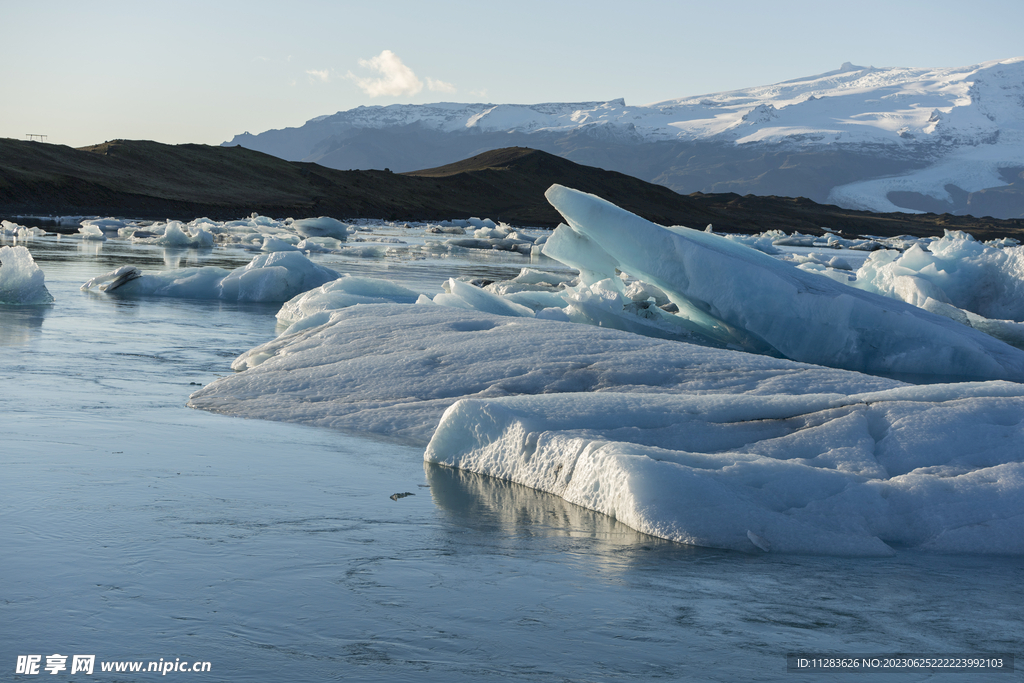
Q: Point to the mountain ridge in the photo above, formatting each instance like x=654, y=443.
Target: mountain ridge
x=938, y=138
x=143, y=179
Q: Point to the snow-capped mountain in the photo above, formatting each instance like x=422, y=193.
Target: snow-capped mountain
x=884, y=139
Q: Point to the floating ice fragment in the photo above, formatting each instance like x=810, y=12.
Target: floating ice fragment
x=321, y=227
x=92, y=232
x=277, y=276
x=758, y=541
x=22, y=282
x=458, y=294
x=930, y=467
x=341, y=293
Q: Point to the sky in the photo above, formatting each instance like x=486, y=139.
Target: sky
x=85, y=72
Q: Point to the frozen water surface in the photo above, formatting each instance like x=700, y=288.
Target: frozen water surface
x=136, y=529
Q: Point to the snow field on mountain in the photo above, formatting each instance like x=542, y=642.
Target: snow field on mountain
x=925, y=129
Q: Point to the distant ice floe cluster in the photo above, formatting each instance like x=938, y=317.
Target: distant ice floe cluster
x=315, y=235
x=706, y=443
x=256, y=231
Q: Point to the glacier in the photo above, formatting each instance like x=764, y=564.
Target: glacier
x=881, y=133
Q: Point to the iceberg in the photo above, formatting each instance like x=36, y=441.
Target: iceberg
x=979, y=285
x=748, y=300
x=934, y=467
x=321, y=227
x=701, y=445
x=273, y=277
x=22, y=282
x=21, y=232
x=341, y=293
x=176, y=234
x=394, y=368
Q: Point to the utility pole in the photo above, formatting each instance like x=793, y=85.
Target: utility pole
x=33, y=136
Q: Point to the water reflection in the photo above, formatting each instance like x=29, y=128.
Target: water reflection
x=90, y=247
x=490, y=505
x=21, y=324
x=193, y=256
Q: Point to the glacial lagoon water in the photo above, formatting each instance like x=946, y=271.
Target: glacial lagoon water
x=135, y=529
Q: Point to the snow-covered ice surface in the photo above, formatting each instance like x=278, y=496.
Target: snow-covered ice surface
x=394, y=369
x=936, y=467
x=136, y=529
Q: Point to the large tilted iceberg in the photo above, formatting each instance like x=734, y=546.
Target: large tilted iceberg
x=22, y=282
x=752, y=301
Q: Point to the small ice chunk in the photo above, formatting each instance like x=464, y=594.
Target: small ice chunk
x=277, y=276
x=22, y=282
x=459, y=294
x=341, y=293
x=274, y=244
x=758, y=541
x=92, y=232
x=321, y=227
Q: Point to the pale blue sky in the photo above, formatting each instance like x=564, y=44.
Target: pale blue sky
x=85, y=72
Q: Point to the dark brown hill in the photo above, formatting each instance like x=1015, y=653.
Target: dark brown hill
x=151, y=180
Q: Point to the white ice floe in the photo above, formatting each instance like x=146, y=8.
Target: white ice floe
x=935, y=467
x=956, y=269
x=22, y=282
x=277, y=276
x=11, y=229
x=749, y=300
x=341, y=293
x=395, y=368
x=171, y=234
x=685, y=442
x=92, y=232
x=321, y=227
x=458, y=294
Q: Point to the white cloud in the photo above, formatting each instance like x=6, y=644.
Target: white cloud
x=322, y=74
x=440, y=86
x=395, y=77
